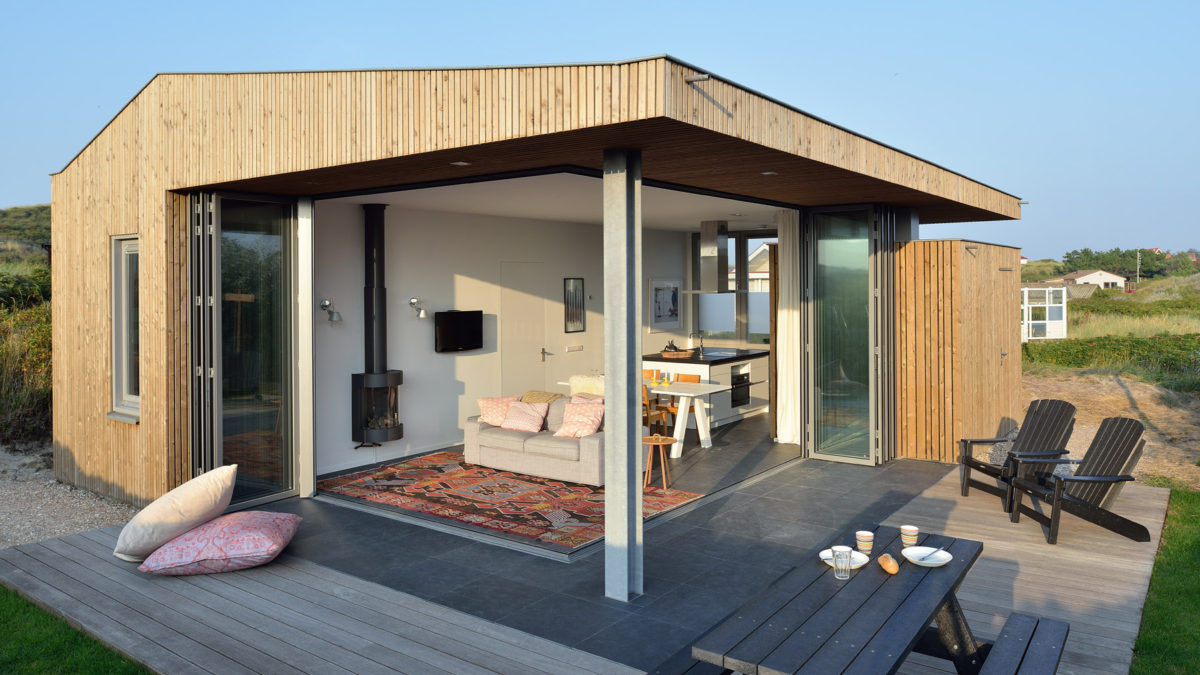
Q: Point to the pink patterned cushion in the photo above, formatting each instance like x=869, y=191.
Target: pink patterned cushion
x=581, y=419
x=231, y=542
x=493, y=410
x=587, y=398
x=525, y=416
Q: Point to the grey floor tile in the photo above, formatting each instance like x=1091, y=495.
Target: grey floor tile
x=565, y=619
x=694, y=606
x=640, y=641
x=426, y=578
x=491, y=597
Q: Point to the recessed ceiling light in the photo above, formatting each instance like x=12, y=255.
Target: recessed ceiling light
x=460, y=163
x=770, y=173
x=736, y=215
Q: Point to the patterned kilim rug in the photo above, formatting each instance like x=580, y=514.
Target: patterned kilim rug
x=557, y=513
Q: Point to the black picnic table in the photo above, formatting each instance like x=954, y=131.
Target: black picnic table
x=810, y=622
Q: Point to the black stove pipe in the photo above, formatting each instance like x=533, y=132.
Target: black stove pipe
x=374, y=294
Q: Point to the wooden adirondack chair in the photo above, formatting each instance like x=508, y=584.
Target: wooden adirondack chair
x=1089, y=493
x=1044, y=433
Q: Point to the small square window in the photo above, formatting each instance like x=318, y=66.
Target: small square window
x=126, y=373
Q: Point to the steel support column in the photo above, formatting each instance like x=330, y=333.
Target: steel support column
x=622, y=187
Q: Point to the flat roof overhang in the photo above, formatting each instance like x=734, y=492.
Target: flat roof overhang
x=673, y=152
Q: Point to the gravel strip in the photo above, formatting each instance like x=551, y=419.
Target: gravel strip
x=34, y=506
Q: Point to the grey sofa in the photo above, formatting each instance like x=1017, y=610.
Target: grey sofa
x=578, y=460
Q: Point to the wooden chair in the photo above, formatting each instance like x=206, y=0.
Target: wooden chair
x=652, y=415
x=672, y=408
x=1090, y=492
x=651, y=374
x=1044, y=433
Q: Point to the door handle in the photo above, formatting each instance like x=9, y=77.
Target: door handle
x=544, y=354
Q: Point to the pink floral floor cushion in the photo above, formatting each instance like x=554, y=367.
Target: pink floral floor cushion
x=231, y=542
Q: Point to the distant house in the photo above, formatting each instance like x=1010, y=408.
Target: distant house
x=1024, y=260
x=1158, y=250
x=1095, y=277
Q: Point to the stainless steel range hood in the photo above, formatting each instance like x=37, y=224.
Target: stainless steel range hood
x=713, y=270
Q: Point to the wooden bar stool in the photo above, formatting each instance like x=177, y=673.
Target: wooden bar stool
x=662, y=443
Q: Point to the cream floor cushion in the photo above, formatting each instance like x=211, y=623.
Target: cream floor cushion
x=185, y=508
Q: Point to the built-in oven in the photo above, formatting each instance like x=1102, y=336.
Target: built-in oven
x=739, y=394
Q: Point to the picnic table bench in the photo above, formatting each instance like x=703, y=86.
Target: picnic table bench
x=810, y=622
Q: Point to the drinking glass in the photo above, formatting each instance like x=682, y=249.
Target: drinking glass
x=908, y=534
x=841, y=562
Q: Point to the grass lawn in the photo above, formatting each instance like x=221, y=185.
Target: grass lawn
x=37, y=642
x=1169, y=639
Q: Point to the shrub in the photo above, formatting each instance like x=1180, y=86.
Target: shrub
x=25, y=373
x=1170, y=360
x=21, y=291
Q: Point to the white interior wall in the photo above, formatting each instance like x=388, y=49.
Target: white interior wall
x=451, y=261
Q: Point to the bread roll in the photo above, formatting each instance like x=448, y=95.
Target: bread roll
x=888, y=563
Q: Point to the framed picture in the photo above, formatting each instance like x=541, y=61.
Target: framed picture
x=663, y=305
x=574, y=312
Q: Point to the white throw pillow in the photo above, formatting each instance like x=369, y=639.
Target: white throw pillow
x=186, y=507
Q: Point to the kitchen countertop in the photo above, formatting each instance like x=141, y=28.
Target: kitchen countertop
x=712, y=356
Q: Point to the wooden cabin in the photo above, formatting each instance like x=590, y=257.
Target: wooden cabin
x=209, y=303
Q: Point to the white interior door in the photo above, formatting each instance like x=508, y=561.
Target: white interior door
x=522, y=327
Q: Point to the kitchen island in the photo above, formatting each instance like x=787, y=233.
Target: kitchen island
x=745, y=371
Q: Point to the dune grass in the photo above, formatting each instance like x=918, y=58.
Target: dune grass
x=1169, y=638
x=1083, y=326
x=35, y=641
x=1167, y=288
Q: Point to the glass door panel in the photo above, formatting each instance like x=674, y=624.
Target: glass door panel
x=254, y=343
x=841, y=335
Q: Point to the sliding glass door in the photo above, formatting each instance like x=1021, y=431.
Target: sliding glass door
x=243, y=321
x=842, y=368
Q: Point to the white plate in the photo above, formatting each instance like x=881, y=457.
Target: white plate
x=915, y=553
x=857, y=559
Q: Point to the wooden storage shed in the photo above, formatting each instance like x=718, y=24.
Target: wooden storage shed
x=958, y=345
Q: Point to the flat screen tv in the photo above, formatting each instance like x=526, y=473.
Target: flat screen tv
x=457, y=331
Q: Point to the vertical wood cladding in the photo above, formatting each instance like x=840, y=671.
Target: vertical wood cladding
x=958, y=364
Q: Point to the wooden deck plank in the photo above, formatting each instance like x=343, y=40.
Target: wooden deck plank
x=499, y=657
x=83, y=615
x=271, y=623
x=196, y=604
x=1093, y=579
x=291, y=616
x=74, y=563
x=450, y=621
x=451, y=624
x=384, y=645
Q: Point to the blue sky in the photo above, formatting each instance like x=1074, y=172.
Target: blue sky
x=1087, y=110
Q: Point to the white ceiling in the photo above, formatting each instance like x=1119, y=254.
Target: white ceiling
x=570, y=198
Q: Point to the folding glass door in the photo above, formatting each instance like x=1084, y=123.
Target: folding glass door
x=842, y=363
x=242, y=341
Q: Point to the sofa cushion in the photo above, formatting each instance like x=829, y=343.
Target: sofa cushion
x=554, y=418
x=493, y=410
x=581, y=419
x=539, y=396
x=505, y=439
x=525, y=416
x=587, y=398
x=188, y=506
x=548, y=445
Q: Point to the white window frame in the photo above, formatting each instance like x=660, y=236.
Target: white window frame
x=126, y=405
